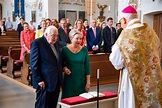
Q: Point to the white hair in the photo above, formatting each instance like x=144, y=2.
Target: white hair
x=51, y=29
x=128, y=16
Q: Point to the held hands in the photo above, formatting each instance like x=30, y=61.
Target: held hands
x=94, y=48
x=67, y=71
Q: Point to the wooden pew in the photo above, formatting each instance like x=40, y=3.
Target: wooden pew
x=25, y=70
x=2, y=40
x=9, y=36
x=6, y=42
x=12, y=33
x=10, y=43
x=14, y=63
x=108, y=74
x=4, y=55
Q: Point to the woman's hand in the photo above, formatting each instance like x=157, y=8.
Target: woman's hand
x=67, y=71
x=88, y=85
x=28, y=51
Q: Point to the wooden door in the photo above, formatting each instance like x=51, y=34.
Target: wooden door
x=0, y=11
x=158, y=27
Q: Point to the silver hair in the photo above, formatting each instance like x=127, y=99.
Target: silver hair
x=129, y=16
x=73, y=32
x=51, y=28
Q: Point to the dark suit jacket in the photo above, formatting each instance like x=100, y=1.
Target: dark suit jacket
x=44, y=64
x=92, y=40
x=68, y=25
x=4, y=29
x=107, y=38
x=63, y=38
x=118, y=32
x=39, y=27
x=19, y=29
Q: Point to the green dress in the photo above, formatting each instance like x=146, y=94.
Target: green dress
x=78, y=63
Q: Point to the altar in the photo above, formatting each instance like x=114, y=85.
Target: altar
x=106, y=103
x=109, y=101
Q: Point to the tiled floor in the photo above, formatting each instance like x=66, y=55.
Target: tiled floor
x=14, y=94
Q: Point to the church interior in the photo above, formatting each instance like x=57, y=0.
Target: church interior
x=16, y=89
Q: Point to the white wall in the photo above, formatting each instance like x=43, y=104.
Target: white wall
x=53, y=9
x=107, y=13
x=112, y=13
x=50, y=7
x=147, y=8
x=49, y=10
x=7, y=9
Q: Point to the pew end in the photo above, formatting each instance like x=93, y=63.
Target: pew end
x=14, y=63
x=25, y=70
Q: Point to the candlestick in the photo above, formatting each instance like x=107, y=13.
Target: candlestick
x=109, y=8
x=98, y=73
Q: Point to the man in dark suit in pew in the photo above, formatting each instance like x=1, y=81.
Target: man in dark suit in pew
x=45, y=61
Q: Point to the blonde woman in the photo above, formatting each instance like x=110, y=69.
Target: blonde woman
x=39, y=33
x=79, y=26
x=76, y=67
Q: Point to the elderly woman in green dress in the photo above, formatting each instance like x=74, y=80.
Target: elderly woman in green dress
x=76, y=67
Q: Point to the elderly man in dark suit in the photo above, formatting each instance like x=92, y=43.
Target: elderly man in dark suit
x=46, y=68
x=63, y=37
x=94, y=38
x=109, y=36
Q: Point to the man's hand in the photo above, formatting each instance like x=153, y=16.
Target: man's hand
x=42, y=84
x=95, y=48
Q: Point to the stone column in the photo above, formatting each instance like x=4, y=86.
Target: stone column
x=52, y=9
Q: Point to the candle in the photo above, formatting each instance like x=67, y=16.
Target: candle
x=109, y=8
x=98, y=73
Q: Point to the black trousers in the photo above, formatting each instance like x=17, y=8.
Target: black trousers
x=46, y=99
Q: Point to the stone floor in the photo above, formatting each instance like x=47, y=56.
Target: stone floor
x=14, y=94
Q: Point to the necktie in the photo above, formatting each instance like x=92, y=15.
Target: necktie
x=112, y=38
x=54, y=51
x=94, y=31
x=65, y=30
